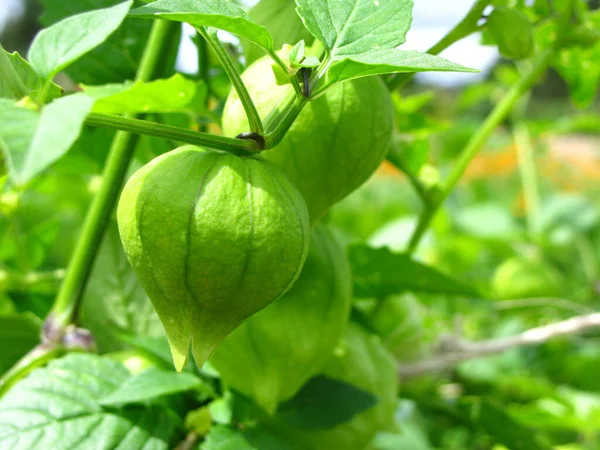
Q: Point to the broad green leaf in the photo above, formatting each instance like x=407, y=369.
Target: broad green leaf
x=150, y=384
x=170, y=95
x=57, y=407
x=361, y=38
x=324, y=402
x=29, y=77
x=392, y=60
x=32, y=140
x=345, y=27
x=58, y=46
x=223, y=437
x=18, y=335
x=379, y=272
x=119, y=57
x=115, y=303
x=224, y=15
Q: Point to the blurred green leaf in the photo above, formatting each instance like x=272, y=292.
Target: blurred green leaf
x=488, y=221
x=513, y=32
x=223, y=437
x=380, y=272
x=505, y=429
x=324, y=402
x=564, y=215
x=18, y=335
x=411, y=438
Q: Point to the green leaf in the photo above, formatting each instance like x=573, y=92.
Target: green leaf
x=223, y=437
x=354, y=49
x=58, y=46
x=513, y=32
x=32, y=140
x=505, y=429
x=150, y=384
x=115, y=303
x=58, y=407
x=324, y=402
x=488, y=221
x=170, y=95
x=580, y=69
x=345, y=27
x=208, y=13
x=18, y=335
x=379, y=272
x=119, y=57
x=29, y=77
x=383, y=61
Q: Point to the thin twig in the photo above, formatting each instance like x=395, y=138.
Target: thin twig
x=189, y=442
x=464, y=350
x=558, y=303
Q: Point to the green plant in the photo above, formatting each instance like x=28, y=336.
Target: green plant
x=262, y=247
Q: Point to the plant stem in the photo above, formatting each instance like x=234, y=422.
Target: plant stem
x=204, y=72
x=460, y=31
x=395, y=158
x=498, y=114
x=10, y=75
x=529, y=178
x=237, y=146
x=285, y=121
x=69, y=296
x=461, y=350
x=254, y=120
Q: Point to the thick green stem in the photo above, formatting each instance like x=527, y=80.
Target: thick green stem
x=237, y=146
x=10, y=75
x=203, y=71
x=462, y=29
x=529, y=177
x=499, y=114
x=254, y=120
x=283, y=122
x=120, y=154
